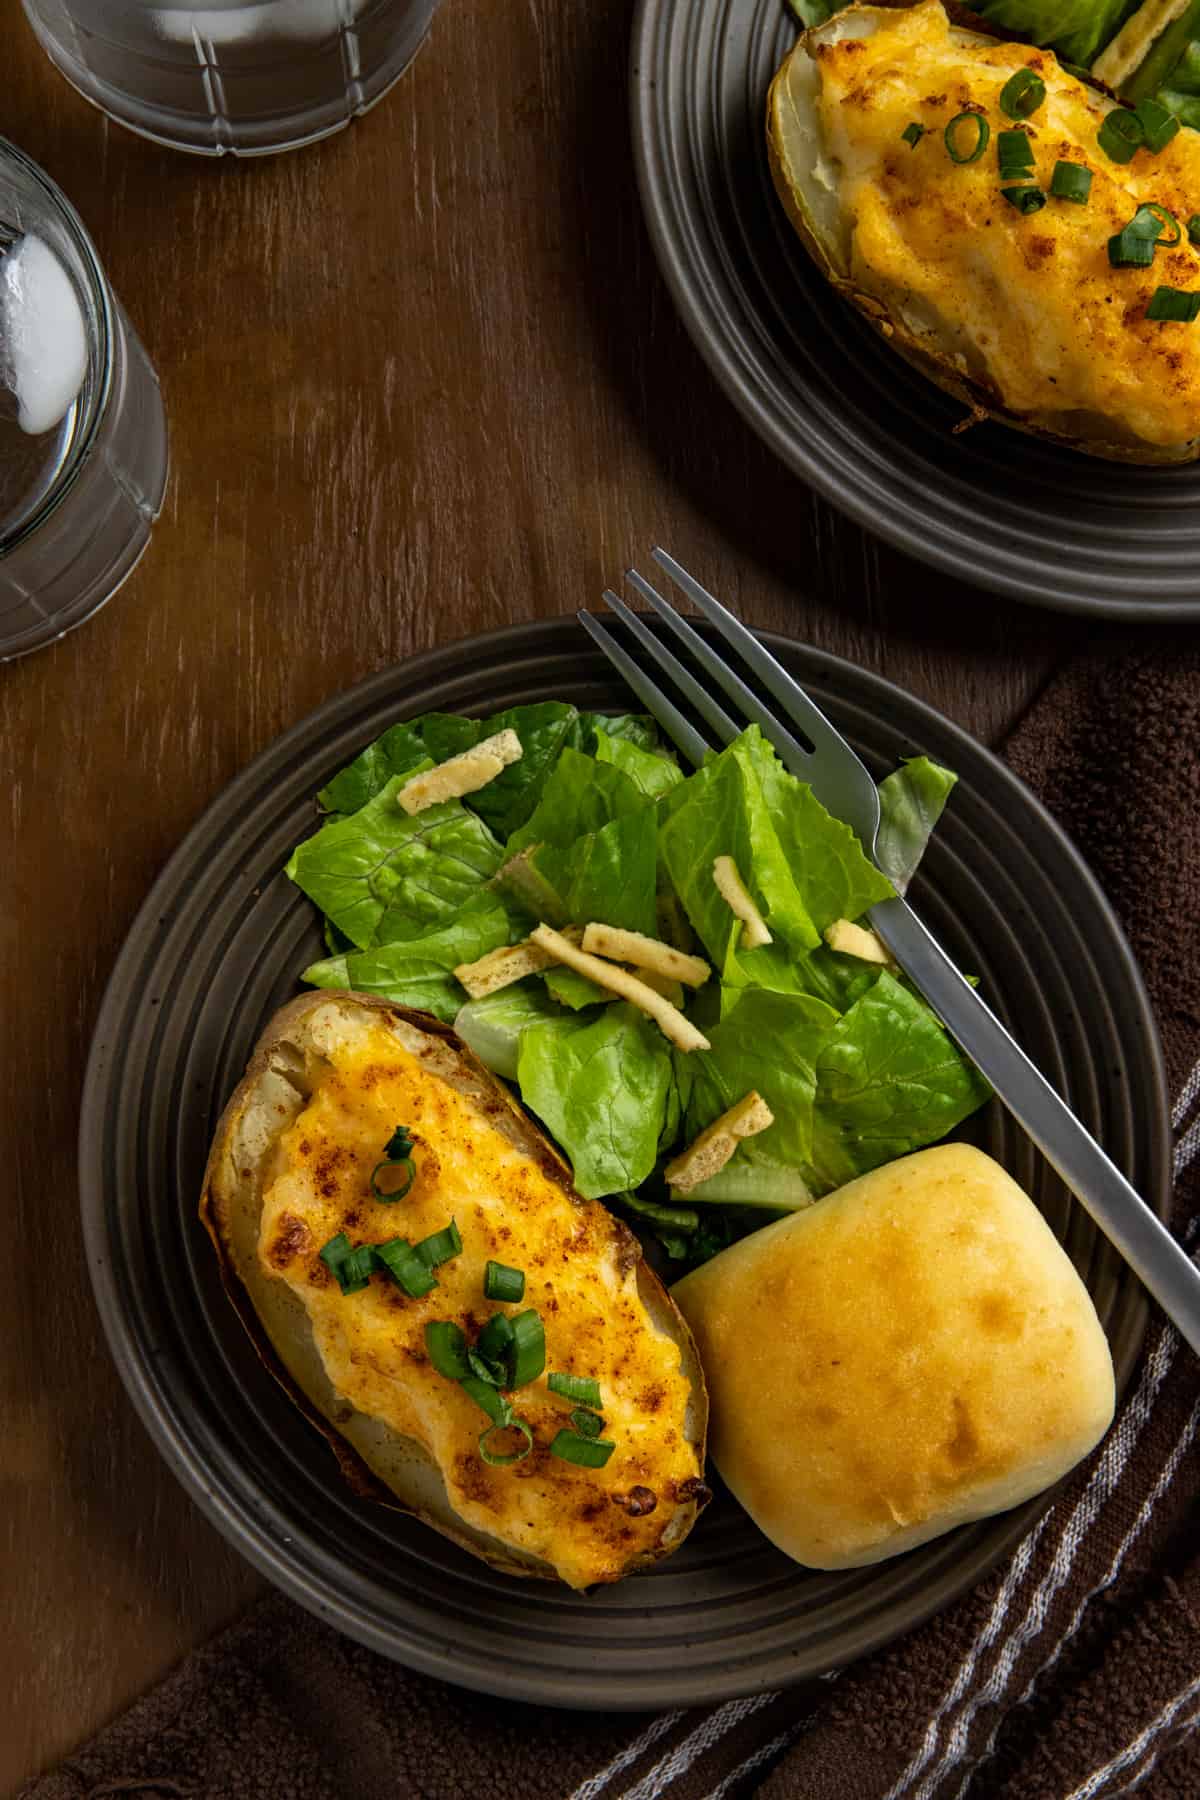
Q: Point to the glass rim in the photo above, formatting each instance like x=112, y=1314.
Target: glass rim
x=100, y=296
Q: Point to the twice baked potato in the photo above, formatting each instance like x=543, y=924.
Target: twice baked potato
x=295, y=1165
x=884, y=135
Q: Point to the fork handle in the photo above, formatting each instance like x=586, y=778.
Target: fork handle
x=1120, y=1212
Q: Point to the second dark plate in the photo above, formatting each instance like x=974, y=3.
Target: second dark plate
x=992, y=505
x=219, y=946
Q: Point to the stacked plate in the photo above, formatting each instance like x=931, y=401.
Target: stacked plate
x=998, y=508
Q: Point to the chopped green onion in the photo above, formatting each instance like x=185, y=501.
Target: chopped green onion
x=447, y=1347
x=502, y=1283
x=527, y=1358
x=912, y=134
x=1152, y=220
x=1131, y=249
x=399, y=1146
x=1075, y=69
x=487, y=1368
x=495, y=1340
x=1158, y=125
x=504, y=1462
x=1193, y=229
x=387, y=1195
x=358, y=1267
x=586, y=1453
x=587, y=1424
x=352, y=1267
x=1120, y=135
x=1174, y=305
x=582, y=1388
x=970, y=151
x=1025, y=199
x=1022, y=94
x=439, y=1246
x=405, y=1267
x=1014, y=153
x=335, y=1252
x=1070, y=181
x=488, y=1398
x=397, y=1154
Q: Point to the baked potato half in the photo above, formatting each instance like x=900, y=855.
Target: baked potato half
x=883, y=133
x=294, y=1163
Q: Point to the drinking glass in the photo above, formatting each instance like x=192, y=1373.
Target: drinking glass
x=83, y=437
x=232, y=76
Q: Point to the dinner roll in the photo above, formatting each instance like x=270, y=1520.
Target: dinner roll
x=912, y=1352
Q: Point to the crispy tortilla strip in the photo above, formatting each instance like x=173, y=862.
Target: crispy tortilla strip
x=500, y=968
x=717, y=1142
x=734, y=891
x=668, y=1018
x=645, y=953
x=1135, y=40
x=856, y=940
x=462, y=774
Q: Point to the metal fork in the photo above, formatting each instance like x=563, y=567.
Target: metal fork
x=845, y=787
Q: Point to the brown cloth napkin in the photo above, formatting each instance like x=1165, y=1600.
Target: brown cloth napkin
x=1073, y=1673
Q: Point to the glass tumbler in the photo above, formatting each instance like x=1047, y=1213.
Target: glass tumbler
x=83, y=437
x=247, y=76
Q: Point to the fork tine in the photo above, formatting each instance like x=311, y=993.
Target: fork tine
x=715, y=717
x=680, y=730
x=795, y=755
x=774, y=677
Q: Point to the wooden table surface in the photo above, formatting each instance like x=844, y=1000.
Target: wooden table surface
x=422, y=380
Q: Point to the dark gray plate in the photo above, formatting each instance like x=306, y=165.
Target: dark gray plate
x=994, y=506
x=218, y=946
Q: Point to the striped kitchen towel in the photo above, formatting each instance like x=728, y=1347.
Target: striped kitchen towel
x=1073, y=1673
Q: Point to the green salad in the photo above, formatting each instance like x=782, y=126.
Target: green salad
x=596, y=823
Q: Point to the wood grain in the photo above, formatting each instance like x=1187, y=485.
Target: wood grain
x=422, y=379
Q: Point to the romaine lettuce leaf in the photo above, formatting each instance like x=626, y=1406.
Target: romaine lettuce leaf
x=600, y=1086
x=504, y=803
x=837, y=979
x=835, y=877
x=1186, y=107
x=381, y=875
x=721, y=810
x=911, y=801
x=1077, y=29
x=814, y=12
x=492, y=1026
x=581, y=794
x=419, y=971
x=769, y=1042
x=608, y=875
x=889, y=1080
x=573, y=990
x=653, y=774
x=637, y=728
x=1185, y=76
x=400, y=751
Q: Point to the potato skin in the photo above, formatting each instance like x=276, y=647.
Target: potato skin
x=980, y=397
x=395, y=1471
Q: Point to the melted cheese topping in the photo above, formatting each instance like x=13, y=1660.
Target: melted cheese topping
x=1029, y=303
x=580, y=1270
